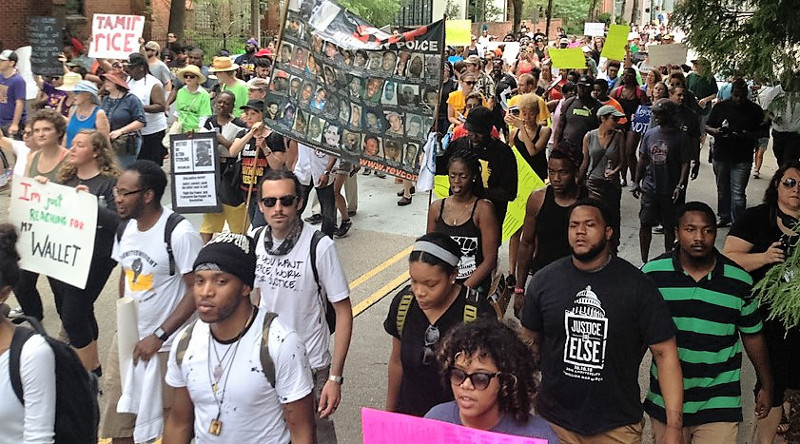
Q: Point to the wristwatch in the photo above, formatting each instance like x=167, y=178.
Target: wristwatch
x=681, y=186
x=337, y=379
x=161, y=334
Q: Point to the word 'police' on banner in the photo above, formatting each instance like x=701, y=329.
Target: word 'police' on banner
x=342, y=86
x=393, y=428
x=56, y=227
x=115, y=36
x=195, y=173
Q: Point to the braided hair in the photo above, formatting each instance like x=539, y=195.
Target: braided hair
x=473, y=164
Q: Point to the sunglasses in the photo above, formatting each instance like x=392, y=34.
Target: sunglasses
x=790, y=182
x=189, y=76
x=270, y=202
x=431, y=338
x=479, y=380
x=471, y=82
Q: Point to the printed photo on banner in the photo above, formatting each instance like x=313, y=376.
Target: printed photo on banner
x=342, y=86
x=195, y=173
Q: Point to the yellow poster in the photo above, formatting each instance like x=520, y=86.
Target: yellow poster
x=458, y=32
x=571, y=58
x=527, y=182
x=614, y=48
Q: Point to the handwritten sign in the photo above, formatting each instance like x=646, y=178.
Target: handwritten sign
x=56, y=228
x=614, y=48
x=195, y=170
x=661, y=55
x=458, y=32
x=568, y=58
x=393, y=428
x=115, y=36
x=44, y=35
x=594, y=29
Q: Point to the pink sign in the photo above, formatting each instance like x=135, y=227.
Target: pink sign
x=380, y=427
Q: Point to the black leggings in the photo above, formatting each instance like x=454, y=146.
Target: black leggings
x=28, y=295
x=76, y=306
x=152, y=149
x=327, y=203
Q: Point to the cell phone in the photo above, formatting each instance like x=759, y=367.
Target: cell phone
x=514, y=110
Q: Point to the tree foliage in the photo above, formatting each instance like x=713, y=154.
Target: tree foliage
x=757, y=38
x=574, y=12
x=377, y=12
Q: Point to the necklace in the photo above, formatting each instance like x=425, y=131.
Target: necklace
x=82, y=116
x=215, y=427
x=461, y=214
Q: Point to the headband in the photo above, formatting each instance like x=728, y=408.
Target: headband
x=436, y=251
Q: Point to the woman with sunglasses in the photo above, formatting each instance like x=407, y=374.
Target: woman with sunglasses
x=761, y=239
x=418, y=317
x=126, y=118
x=457, y=100
x=91, y=167
x=492, y=377
x=474, y=100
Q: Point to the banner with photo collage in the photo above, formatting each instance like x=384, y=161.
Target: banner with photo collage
x=342, y=86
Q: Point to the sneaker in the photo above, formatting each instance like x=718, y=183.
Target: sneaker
x=756, y=175
x=658, y=229
x=367, y=171
x=15, y=313
x=314, y=219
x=343, y=228
x=723, y=223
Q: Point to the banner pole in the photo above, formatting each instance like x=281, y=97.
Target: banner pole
x=280, y=31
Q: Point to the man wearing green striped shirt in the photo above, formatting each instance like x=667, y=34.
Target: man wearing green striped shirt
x=710, y=300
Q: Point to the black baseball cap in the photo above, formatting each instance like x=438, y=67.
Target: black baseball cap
x=479, y=120
x=136, y=59
x=585, y=80
x=255, y=104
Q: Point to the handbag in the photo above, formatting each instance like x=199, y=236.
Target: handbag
x=175, y=128
x=499, y=295
x=126, y=144
x=230, y=183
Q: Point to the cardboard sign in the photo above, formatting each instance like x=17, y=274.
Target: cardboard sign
x=674, y=54
x=195, y=173
x=510, y=51
x=458, y=32
x=594, y=29
x=115, y=36
x=570, y=58
x=614, y=48
x=393, y=428
x=57, y=226
x=44, y=34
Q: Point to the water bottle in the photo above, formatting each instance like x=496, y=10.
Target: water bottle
x=101, y=202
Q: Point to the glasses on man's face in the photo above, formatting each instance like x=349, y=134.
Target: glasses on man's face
x=790, y=182
x=124, y=193
x=431, y=338
x=285, y=201
x=479, y=380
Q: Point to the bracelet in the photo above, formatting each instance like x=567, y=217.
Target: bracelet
x=518, y=290
x=337, y=379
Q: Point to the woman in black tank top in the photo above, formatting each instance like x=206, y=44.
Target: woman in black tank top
x=530, y=138
x=470, y=221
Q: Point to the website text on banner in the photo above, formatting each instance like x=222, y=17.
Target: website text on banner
x=115, y=36
x=393, y=428
x=56, y=227
x=342, y=86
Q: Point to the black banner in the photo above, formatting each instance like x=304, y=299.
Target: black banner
x=347, y=88
x=44, y=36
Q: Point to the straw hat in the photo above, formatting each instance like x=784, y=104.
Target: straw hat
x=191, y=69
x=116, y=79
x=222, y=64
x=70, y=80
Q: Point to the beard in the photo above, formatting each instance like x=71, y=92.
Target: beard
x=592, y=253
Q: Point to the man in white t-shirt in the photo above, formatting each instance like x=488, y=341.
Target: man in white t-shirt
x=224, y=388
x=287, y=286
x=161, y=287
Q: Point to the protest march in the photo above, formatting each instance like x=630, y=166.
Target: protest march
x=436, y=229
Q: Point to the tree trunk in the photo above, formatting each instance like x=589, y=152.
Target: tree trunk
x=622, y=12
x=549, y=17
x=593, y=11
x=635, y=18
x=517, y=6
x=177, y=18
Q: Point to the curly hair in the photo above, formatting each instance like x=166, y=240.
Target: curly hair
x=771, y=194
x=105, y=158
x=473, y=164
x=52, y=116
x=9, y=258
x=488, y=338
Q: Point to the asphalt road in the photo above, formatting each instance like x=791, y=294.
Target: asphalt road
x=374, y=257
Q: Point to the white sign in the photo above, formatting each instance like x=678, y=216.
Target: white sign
x=115, y=36
x=594, y=29
x=194, y=173
x=674, y=54
x=510, y=50
x=57, y=226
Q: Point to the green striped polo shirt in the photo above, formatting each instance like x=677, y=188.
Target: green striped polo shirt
x=708, y=315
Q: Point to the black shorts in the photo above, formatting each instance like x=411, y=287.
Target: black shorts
x=784, y=360
x=657, y=209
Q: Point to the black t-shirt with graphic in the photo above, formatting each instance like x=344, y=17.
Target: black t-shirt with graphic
x=595, y=329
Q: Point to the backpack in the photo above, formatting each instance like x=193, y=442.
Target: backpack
x=172, y=221
x=77, y=411
x=330, y=312
x=266, y=360
x=470, y=308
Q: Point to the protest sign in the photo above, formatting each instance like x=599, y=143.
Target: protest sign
x=568, y=58
x=641, y=119
x=344, y=87
x=195, y=173
x=614, y=48
x=594, y=29
x=380, y=427
x=56, y=226
x=458, y=32
x=44, y=35
x=510, y=50
x=115, y=36
x=661, y=55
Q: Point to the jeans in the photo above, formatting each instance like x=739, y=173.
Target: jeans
x=254, y=213
x=326, y=432
x=327, y=203
x=126, y=160
x=732, y=178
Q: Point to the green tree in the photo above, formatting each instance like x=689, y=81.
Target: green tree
x=377, y=12
x=756, y=38
x=574, y=12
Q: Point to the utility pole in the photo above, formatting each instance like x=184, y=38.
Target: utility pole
x=255, y=19
x=613, y=12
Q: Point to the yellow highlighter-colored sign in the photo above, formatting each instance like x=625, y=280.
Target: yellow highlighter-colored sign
x=458, y=32
x=614, y=48
x=527, y=182
x=570, y=58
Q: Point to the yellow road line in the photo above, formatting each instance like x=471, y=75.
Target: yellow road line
x=384, y=265
x=380, y=293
